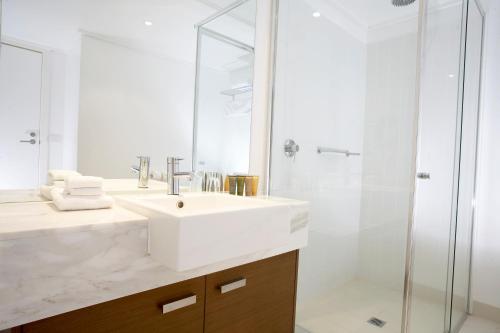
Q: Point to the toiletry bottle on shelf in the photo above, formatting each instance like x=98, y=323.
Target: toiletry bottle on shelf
x=226, y=184
x=248, y=186
x=255, y=185
x=240, y=185
x=232, y=184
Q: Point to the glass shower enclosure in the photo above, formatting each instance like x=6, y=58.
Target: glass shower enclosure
x=383, y=103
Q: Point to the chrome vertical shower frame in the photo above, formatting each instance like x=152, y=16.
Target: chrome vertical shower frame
x=410, y=234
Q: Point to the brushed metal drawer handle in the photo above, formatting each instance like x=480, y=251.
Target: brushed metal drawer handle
x=182, y=303
x=225, y=288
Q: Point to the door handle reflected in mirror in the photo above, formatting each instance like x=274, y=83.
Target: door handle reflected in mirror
x=423, y=175
x=32, y=141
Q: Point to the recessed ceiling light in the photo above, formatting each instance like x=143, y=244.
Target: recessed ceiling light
x=451, y=75
x=148, y=23
x=316, y=14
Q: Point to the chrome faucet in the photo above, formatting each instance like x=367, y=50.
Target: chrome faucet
x=173, y=175
x=143, y=171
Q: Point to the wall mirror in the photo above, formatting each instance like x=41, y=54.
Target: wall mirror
x=89, y=85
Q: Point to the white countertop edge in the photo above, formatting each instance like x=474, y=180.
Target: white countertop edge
x=53, y=221
x=158, y=276
x=36, y=233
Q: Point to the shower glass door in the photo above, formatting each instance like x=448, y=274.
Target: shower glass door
x=467, y=177
x=448, y=127
x=435, y=195
x=345, y=95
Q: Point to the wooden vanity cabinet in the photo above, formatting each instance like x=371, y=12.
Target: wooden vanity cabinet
x=256, y=298
x=138, y=313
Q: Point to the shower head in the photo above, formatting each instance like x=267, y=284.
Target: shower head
x=401, y=3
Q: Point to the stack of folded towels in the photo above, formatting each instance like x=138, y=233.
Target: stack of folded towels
x=56, y=179
x=80, y=193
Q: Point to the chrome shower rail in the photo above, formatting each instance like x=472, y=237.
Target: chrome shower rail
x=347, y=153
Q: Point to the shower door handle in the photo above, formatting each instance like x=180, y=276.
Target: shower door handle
x=423, y=175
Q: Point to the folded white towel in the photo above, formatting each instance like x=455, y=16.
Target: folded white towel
x=46, y=189
x=60, y=175
x=68, y=202
x=73, y=182
x=84, y=191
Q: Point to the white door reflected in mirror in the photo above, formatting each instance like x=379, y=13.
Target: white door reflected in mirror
x=20, y=106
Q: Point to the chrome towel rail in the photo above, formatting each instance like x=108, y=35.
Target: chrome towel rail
x=347, y=153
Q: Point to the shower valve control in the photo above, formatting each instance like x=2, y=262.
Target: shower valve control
x=290, y=148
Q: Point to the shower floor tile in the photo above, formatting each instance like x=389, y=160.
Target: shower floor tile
x=475, y=324
x=347, y=309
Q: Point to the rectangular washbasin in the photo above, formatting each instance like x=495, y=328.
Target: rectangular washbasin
x=194, y=230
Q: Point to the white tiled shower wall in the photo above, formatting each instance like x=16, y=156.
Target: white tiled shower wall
x=387, y=147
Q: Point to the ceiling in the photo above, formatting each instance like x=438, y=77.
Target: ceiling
x=359, y=17
x=246, y=12
x=225, y=24
x=372, y=13
x=57, y=24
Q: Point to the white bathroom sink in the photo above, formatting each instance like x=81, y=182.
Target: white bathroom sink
x=194, y=230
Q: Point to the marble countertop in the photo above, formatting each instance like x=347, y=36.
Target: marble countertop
x=53, y=262
x=7, y=196
x=21, y=220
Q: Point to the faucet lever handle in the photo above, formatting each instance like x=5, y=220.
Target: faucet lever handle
x=172, y=160
x=143, y=171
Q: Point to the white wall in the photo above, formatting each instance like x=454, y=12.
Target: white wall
x=132, y=103
x=486, y=264
x=64, y=104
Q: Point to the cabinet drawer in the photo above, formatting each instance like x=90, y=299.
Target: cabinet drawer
x=258, y=297
x=183, y=304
